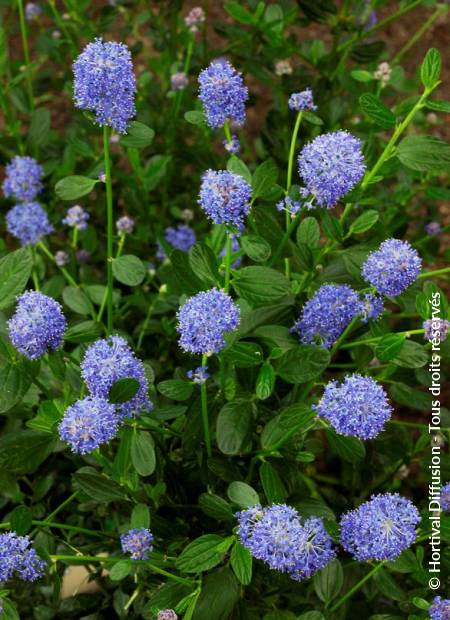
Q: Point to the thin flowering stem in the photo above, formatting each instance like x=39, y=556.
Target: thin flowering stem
x=205, y=419
x=63, y=270
x=292, y=224
x=26, y=52
x=105, y=294
x=358, y=343
x=228, y=253
x=57, y=510
x=344, y=334
x=227, y=131
x=60, y=23
x=420, y=32
x=109, y=228
x=357, y=587
x=298, y=120
x=436, y=272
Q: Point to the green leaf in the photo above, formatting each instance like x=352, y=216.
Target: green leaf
x=220, y=593
x=140, y=516
x=233, y=426
x=98, y=487
x=203, y=263
x=85, y=331
x=237, y=166
x=123, y=390
x=264, y=179
x=238, y=12
x=143, y=453
x=309, y=117
x=424, y=153
x=265, y=381
x=129, y=269
x=242, y=494
x=77, y=300
x=241, y=563
x=350, y=449
x=312, y=615
x=21, y=520
x=308, y=232
x=364, y=222
x=439, y=106
x=120, y=570
x=362, y=76
x=39, y=127
x=15, y=271
x=138, y=137
x=201, y=554
x=412, y=355
x=47, y=417
x=244, y=354
x=195, y=117
x=186, y=278
x=73, y=187
x=430, y=69
x=176, y=389
x=272, y=484
x=377, y=111
x=389, y=347
x=216, y=507
x=283, y=426
x=328, y=582
x=9, y=611
x=260, y=285
x=302, y=363
x=14, y=383
x=255, y=247
x=21, y=452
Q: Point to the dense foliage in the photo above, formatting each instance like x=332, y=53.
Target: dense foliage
x=223, y=316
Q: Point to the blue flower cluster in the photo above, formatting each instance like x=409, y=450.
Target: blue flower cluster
x=289, y=205
x=433, y=229
x=223, y=94
x=330, y=166
x=440, y=609
x=167, y=614
x=435, y=328
x=204, y=320
x=358, y=407
x=89, y=423
x=19, y=558
x=180, y=237
x=23, y=178
x=37, y=326
x=199, y=375
x=372, y=307
x=325, y=316
x=107, y=361
x=105, y=83
x=233, y=146
x=32, y=11
x=125, y=225
x=28, y=222
x=445, y=497
x=277, y=535
x=393, y=267
x=137, y=543
x=381, y=528
x=225, y=198
x=76, y=217
x=302, y=101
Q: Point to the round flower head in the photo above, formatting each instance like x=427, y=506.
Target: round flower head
x=225, y=197
x=440, y=609
x=137, y=543
x=28, y=222
x=32, y=11
x=105, y=83
x=233, y=146
x=199, y=375
x=88, y=424
x=76, y=217
x=325, y=316
x=125, y=225
x=358, y=407
x=436, y=329
x=380, y=529
x=372, y=307
x=37, y=326
x=302, y=101
x=167, y=614
x=393, y=267
x=445, y=497
x=22, y=178
x=204, y=320
x=180, y=237
x=107, y=361
x=283, y=67
x=433, y=229
x=195, y=18
x=61, y=258
x=17, y=556
x=277, y=536
x=179, y=80
x=223, y=94
x=330, y=166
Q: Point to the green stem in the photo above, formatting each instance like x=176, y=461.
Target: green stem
x=113, y=560
x=356, y=587
x=228, y=253
x=436, y=272
x=144, y=327
x=63, y=270
x=285, y=238
x=34, y=273
x=26, y=52
x=105, y=294
x=71, y=528
x=57, y=510
x=344, y=334
x=205, y=419
x=109, y=228
x=358, y=343
x=187, y=62
x=60, y=22
x=418, y=35
x=298, y=120
x=226, y=128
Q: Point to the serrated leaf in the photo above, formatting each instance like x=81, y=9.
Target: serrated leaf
x=21, y=520
x=15, y=271
x=264, y=179
x=73, y=187
x=233, y=426
x=142, y=453
x=364, y=222
x=302, y=363
x=98, y=487
x=120, y=570
x=424, y=153
x=241, y=562
x=430, y=69
x=176, y=389
x=201, y=554
x=242, y=494
x=376, y=110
